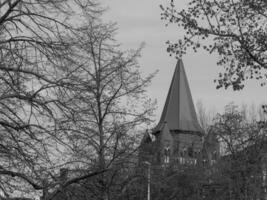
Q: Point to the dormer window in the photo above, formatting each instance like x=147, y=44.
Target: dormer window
x=167, y=152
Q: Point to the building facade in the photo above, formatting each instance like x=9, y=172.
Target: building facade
x=178, y=137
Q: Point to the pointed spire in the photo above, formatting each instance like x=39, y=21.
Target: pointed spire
x=179, y=111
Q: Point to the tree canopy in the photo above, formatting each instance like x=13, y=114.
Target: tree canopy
x=233, y=29
x=68, y=97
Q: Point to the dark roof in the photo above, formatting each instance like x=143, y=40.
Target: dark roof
x=179, y=111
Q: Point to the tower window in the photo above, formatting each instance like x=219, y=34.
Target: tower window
x=167, y=153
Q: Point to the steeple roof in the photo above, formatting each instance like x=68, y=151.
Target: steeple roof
x=179, y=111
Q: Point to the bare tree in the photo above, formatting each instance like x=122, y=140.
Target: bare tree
x=205, y=116
x=243, y=160
x=35, y=46
x=109, y=104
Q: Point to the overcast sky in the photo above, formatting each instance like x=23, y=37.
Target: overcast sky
x=139, y=21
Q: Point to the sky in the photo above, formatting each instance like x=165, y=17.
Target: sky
x=139, y=21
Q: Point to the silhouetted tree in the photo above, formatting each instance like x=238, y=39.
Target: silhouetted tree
x=35, y=45
x=236, y=30
x=109, y=103
x=243, y=159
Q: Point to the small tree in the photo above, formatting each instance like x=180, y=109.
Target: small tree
x=243, y=159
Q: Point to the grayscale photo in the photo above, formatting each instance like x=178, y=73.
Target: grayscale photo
x=133, y=100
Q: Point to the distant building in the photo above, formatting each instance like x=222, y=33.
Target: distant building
x=178, y=137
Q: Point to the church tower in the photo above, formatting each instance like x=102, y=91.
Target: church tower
x=178, y=135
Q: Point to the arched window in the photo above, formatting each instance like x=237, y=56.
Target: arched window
x=167, y=151
x=167, y=154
